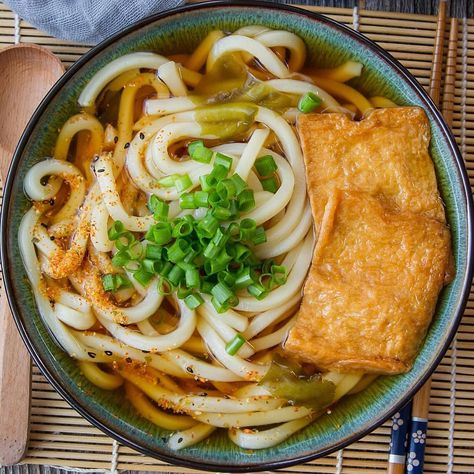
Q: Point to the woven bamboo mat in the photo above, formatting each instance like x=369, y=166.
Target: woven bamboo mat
x=61, y=437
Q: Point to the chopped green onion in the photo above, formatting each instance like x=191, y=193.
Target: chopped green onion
x=220, y=238
x=265, y=165
x=226, y=189
x=279, y=274
x=208, y=182
x=158, y=207
x=309, y=102
x=121, y=258
x=233, y=346
x=219, y=307
x=207, y=226
x=153, y=252
x=193, y=300
x=182, y=292
x=246, y=200
x=108, y=282
x=152, y=266
x=270, y=184
x=221, y=213
x=182, y=183
x=178, y=250
x=159, y=233
x=124, y=240
x=198, y=152
x=206, y=287
x=116, y=229
x=175, y=275
x=244, y=278
x=186, y=201
x=201, y=198
x=211, y=251
x=122, y=281
x=182, y=228
x=218, y=172
x=247, y=229
x=142, y=276
x=257, y=290
x=222, y=293
x=168, y=181
x=259, y=237
x=223, y=160
x=166, y=269
x=164, y=286
x=241, y=252
x=238, y=182
x=226, y=277
x=192, y=277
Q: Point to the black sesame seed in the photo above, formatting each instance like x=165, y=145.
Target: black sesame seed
x=51, y=202
x=101, y=170
x=115, y=139
x=52, y=237
x=190, y=370
x=44, y=225
x=128, y=360
x=44, y=180
x=108, y=353
x=180, y=440
x=146, y=352
x=52, y=302
x=91, y=355
x=96, y=157
x=126, y=145
x=142, y=136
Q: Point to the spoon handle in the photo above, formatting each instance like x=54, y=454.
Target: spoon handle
x=15, y=381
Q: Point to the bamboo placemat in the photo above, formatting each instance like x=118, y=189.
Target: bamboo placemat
x=61, y=437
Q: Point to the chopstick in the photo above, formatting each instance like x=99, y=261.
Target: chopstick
x=421, y=401
x=398, y=440
x=412, y=420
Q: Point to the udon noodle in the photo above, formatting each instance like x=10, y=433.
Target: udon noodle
x=239, y=94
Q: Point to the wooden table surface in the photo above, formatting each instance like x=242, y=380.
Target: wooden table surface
x=458, y=8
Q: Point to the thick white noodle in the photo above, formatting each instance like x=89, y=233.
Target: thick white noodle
x=186, y=438
x=160, y=343
x=289, y=289
x=288, y=40
x=293, y=86
x=263, y=320
x=113, y=69
x=246, y=370
x=247, y=439
x=169, y=73
x=235, y=43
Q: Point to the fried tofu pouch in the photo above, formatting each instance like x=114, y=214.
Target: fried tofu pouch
x=383, y=249
x=385, y=155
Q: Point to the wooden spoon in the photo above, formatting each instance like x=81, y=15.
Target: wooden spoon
x=27, y=72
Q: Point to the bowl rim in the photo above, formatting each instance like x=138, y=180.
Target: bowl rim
x=57, y=383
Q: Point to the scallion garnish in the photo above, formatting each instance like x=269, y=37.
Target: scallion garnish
x=182, y=183
x=211, y=254
x=198, y=152
x=270, y=184
x=309, y=102
x=233, y=346
x=265, y=165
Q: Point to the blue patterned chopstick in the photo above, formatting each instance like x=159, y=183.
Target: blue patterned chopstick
x=418, y=427
x=398, y=440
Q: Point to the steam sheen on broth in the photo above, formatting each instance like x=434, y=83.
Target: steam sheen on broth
x=189, y=365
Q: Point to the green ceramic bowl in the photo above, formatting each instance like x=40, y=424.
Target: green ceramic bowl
x=328, y=43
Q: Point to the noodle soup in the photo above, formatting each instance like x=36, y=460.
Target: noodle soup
x=171, y=234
